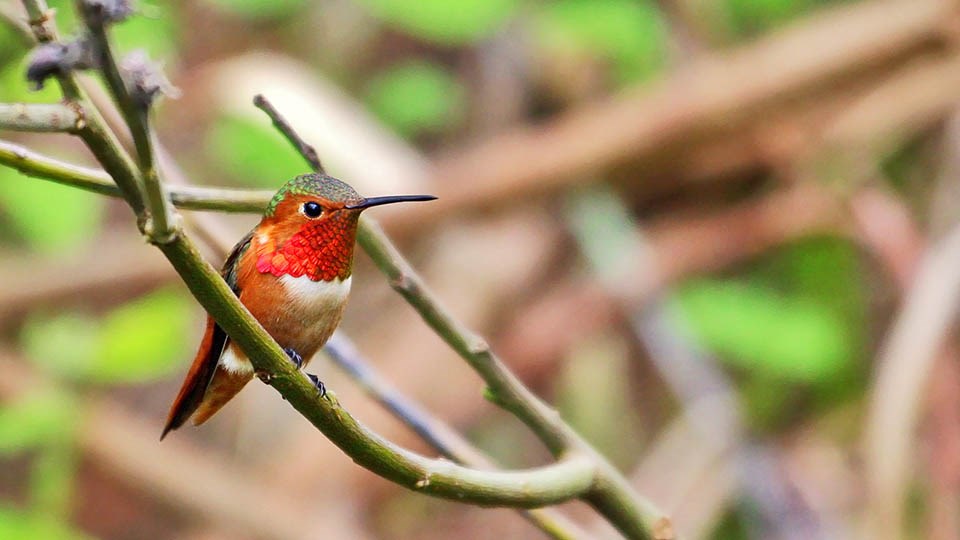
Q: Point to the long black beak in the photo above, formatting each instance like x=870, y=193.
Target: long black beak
x=377, y=201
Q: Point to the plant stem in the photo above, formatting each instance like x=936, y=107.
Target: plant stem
x=37, y=165
x=434, y=431
x=162, y=225
x=95, y=134
x=41, y=117
x=566, y=479
x=611, y=495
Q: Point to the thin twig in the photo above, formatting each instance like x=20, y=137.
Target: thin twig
x=573, y=476
x=95, y=134
x=162, y=225
x=37, y=165
x=612, y=495
x=306, y=150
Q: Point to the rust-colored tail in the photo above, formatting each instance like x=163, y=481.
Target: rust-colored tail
x=199, y=377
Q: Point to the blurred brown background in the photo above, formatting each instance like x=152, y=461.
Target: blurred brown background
x=718, y=234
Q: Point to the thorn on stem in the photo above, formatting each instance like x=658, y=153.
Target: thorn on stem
x=53, y=59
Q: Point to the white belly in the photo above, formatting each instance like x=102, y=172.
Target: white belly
x=316, y=295
x=309, y=315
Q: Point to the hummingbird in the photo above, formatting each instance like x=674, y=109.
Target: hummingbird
x=293, y=272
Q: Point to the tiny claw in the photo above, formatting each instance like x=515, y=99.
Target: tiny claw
x=264, y=376
x=318, y=384
x=294, y=357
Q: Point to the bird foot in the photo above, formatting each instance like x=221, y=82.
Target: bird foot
x=318, y=384
x=294, y=357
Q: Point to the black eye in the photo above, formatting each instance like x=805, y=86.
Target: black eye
x=312, y=210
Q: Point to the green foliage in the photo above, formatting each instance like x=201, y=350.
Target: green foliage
x=18, y=524
x=154, y=28
x=14, y=87
x=260, y=9
x=757, y=329
x=144, y=340
x=34, y=421
x=253, y=153
x=416, y=97
x=751, y=17
x=630, y=35
x=138, y=342
x=50, y=217
x=443, y=21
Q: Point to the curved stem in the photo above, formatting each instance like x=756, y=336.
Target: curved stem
x=611, y=495
x=550, y=484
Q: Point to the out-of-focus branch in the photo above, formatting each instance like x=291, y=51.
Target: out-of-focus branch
x=695, y=104
x=905, y=360
x=619, y=254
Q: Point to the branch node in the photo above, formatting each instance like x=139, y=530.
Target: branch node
x=663, y=529
x=423, y=482
x=158, y=237
x=81, y=121
x=39, y=25
x=478, y=346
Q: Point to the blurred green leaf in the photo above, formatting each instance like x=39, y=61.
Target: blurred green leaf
x=14, y=87
x=751, y=327
x=252, y=152
x=144, y=339
x=51, y=481
x=752, y=17
x=631, y=35
x=140, y=341
x=64, y=345
x=416, y=97
x=33, y=421
x=51, y=217
x=153, y=27
x=443, y=21
x=16, y=524
x=259, y=9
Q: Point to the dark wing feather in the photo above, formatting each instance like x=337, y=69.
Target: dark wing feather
x=214, y=342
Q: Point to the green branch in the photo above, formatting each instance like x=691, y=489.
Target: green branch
x=41, y=118
x=162, y=226
x=95, y=133
x=612, y=495
x=542, y=486
x=579, y=472
x=43, y=167
x=570, y=477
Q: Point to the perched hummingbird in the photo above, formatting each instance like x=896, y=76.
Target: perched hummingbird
x=292, y=271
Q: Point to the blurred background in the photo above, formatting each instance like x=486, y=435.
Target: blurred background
x=717, y=234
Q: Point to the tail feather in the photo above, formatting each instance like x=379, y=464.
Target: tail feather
x=224, y=385
x=199, y=377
